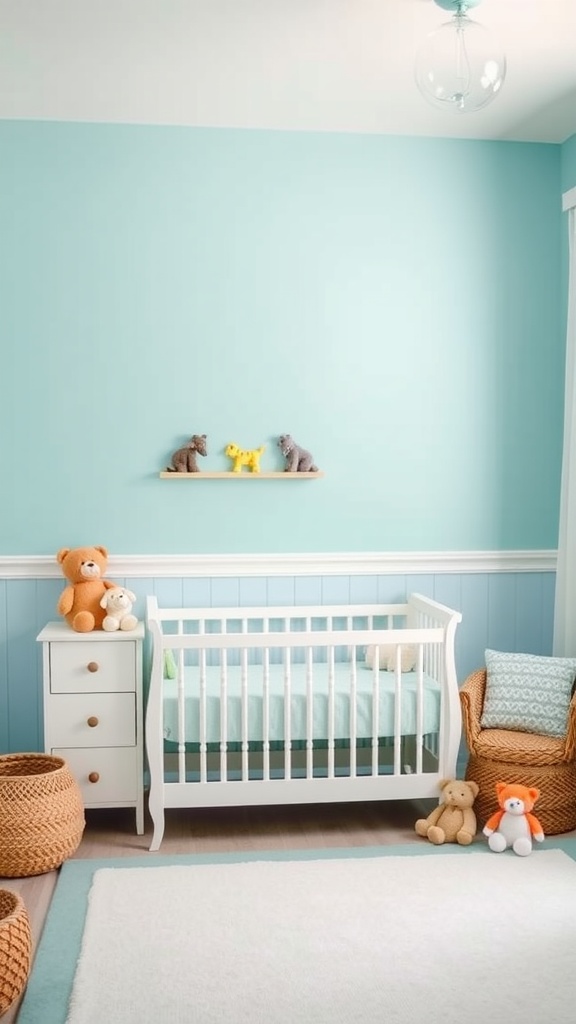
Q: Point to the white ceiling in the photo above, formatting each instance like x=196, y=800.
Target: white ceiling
x=314, y=65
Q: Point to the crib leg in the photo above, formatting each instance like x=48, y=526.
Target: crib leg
x=156, y=810
x=158, y=832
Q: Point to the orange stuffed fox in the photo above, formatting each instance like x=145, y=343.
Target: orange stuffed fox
x=514, y=825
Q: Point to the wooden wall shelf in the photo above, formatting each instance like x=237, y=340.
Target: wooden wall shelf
x=166, y=475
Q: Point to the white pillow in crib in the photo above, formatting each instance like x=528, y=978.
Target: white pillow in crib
x=387, y=657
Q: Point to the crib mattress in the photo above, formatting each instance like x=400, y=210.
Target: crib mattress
x=298, y=705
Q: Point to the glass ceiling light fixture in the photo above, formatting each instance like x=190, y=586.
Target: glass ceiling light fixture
x=458, y=66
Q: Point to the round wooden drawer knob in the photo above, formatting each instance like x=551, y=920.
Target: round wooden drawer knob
x=93, y=777
x=92, y=721
x=93, y=666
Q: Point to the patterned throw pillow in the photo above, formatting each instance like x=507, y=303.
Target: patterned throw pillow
x=527, y=692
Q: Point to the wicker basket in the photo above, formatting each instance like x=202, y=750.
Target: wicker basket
x=15, y=948
x=41, y=814
x=556, y=806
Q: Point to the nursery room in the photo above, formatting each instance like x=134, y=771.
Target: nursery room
x=287, y=589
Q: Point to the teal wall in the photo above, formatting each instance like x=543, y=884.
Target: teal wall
x=568, y=152
x=397, y=304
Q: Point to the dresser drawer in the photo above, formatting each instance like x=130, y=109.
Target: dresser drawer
x=91, y=719
x=106, y=666
x=96, y=678
x=115, y=772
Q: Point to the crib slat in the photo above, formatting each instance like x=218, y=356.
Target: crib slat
x=244, y=705
x=309, y=711
x=398, y=712
x=287, y=711
x=353, y=713
x=331, y=708
x=419, y=707
x=375, y=712
x=181, y=713
x=266, y=716
x=224, y=716
x=202, y=720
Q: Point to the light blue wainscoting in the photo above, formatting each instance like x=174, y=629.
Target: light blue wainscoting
x=511, y=611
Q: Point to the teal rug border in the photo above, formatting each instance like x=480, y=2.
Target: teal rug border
x=50, y=983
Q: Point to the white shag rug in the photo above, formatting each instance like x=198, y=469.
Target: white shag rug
x=461, y=938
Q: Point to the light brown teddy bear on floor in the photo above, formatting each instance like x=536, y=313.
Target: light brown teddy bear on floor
x=454, y=820
x=79, y=602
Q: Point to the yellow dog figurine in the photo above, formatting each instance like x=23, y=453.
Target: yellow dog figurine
x=244, y=457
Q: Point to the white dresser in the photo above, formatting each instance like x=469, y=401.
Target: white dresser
x=93, y=712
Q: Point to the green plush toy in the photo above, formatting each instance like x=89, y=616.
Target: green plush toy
x=170, y=670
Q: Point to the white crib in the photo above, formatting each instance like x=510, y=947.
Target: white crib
x=277, y=705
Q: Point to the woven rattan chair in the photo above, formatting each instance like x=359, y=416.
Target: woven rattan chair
x=500, y=755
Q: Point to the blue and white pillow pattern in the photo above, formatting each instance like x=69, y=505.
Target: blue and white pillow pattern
x=527, y=692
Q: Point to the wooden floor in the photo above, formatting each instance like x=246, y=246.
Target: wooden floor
x=110, y=833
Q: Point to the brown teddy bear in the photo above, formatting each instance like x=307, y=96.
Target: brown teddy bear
x=79, y=602
x=454, y=820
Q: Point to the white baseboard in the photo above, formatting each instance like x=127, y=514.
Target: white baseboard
x=375, y=563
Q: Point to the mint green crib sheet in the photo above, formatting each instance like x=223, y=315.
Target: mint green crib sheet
x=298, y=704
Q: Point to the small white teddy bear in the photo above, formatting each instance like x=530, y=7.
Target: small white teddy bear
x=387, y=657
x=118, y=604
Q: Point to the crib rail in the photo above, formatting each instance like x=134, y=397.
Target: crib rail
x=309, y=663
